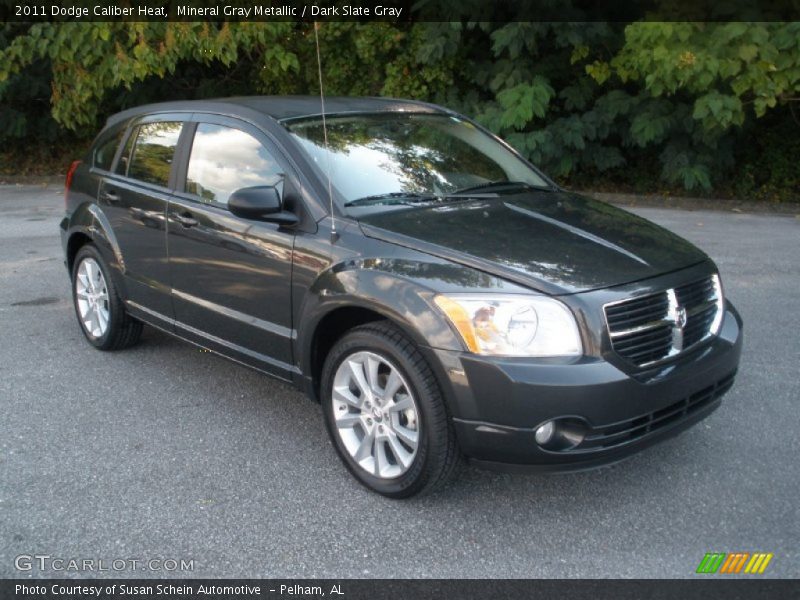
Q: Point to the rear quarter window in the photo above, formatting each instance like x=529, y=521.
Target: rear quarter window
x=153, y=151
x=104, y=154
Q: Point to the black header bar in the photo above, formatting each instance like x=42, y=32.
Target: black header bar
x=33, y=11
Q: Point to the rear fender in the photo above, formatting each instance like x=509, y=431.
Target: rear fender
x=89, y=220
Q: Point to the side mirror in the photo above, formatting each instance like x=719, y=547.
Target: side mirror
x=261, y=203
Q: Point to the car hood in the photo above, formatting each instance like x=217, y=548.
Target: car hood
x=556, y=242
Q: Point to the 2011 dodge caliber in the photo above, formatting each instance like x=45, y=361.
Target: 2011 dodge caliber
x=439, y=296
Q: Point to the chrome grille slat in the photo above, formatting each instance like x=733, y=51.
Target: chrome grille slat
x=641, y=328
x=650, y=345
x=701, y=307
x=693, y=299
x=686, y=293
x=646, y=353
x=636, y=345
x=637, y=305
x=652, y=328
x=627, y=317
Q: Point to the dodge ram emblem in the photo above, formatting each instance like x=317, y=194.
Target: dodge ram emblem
x=680, y=317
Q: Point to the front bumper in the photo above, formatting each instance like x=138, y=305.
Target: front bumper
x=497, y=403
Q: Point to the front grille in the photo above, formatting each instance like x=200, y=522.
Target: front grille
x=652, y=328
x=699, y=299
x=617, y=434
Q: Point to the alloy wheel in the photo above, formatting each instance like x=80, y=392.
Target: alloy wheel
x=91, y=294
x=375, y=414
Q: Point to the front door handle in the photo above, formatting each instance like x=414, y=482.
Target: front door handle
x=186, y=219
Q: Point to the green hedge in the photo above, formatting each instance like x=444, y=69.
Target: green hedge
x=711, y=108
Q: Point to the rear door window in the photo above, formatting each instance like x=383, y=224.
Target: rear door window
x=224, y=160
x=153, y=151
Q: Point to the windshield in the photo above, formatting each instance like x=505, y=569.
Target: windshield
x=401, y=158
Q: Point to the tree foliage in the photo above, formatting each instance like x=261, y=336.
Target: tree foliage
x=677, y=101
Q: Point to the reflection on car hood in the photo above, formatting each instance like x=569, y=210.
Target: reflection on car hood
x=559, y=243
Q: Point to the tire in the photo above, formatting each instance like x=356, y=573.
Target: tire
x=391, y=470
x=118, y=329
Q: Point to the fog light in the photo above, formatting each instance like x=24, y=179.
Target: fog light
x=561, y=434
x=545, y=433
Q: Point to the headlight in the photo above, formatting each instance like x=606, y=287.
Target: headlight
x=513, y=325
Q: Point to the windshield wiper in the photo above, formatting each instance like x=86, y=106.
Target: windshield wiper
x=416, y=197
x=496, y=185
x=392, y=198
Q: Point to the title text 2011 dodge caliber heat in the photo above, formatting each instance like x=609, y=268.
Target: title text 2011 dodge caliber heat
x=434, y=291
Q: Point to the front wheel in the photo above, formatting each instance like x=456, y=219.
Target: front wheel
x=100, y=311
x=385, y=413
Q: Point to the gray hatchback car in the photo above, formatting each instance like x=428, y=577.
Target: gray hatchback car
x=439, y=295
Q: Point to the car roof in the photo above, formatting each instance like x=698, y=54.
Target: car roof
x=290, y=107
x=282, y=107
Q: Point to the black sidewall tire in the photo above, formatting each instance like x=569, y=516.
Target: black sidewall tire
x=122, y=331
x=434, y=430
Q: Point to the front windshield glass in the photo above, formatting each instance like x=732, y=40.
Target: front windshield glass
x=392, y=156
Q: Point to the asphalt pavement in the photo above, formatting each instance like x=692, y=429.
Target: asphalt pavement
x=166, y=452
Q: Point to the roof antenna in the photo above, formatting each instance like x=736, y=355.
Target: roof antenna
x=334, y=235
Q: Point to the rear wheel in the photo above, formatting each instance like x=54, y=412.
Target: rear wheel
x=100, y=311
x=385, y=413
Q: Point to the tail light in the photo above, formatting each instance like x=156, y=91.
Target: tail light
x=70, y=173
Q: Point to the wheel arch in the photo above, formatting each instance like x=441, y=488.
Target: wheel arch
x=75, y=242
x=89, y=221
x=344, y=298
x=332, y=326
x=89, y=225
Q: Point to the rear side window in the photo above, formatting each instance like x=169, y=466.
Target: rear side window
x=224, y=160
x=104, y=155
x=153, y=150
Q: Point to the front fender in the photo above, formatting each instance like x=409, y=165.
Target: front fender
x=365, y=284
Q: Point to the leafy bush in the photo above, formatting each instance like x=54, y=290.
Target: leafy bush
x=647, y=104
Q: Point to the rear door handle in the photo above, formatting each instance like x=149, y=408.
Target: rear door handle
x=186, y=219
x=109, y=196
